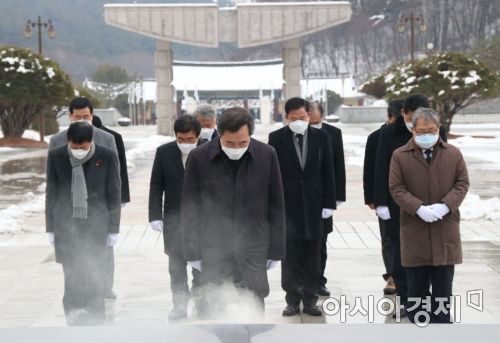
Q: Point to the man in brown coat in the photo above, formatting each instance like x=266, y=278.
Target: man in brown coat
x=428, y=180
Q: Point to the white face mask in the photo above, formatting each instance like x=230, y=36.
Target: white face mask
x=186, y=148
x=426, y=141
x=207, y=133
x=298, y=126
x=82, y=121
x=79, y=154
x=234, y=153
x=318, y=125
x=409, y=126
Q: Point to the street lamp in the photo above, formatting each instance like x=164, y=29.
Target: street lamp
x=413, y=20
x=51, y=32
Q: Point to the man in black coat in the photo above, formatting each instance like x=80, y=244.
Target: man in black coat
x=82, y=211
x=316, y=120
x=165, y=192
x=393, y=112
x=232, y=212
x=125, y=191
x=207, y=114
x=306, y=162
x=392, y=137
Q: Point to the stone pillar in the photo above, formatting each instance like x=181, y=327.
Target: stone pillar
x=291, y=68
x=165, y=106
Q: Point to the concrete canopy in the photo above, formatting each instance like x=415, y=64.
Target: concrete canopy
x=205, y=25
x=247, y=24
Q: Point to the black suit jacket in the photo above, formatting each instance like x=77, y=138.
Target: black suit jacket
x=310, y=190
x=369, y=166
x=122, y=157
x=338, y=160
x=104, y=207
x=165, y=192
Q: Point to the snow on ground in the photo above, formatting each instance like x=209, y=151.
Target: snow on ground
x=486, y=149
x=354, y=150
x=29, y=134
x=475, y=208
x=144, y=147
x=12, y=217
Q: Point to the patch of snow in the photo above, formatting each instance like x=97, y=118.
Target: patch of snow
x=472, y=78
x=475, y=208
x=145, y=147
x=12, y=217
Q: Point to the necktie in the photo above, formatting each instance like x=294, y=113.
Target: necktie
x=428, y=155
x=301, y=141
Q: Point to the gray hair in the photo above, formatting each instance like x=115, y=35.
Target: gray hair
x=428, y=114
x=205, y=111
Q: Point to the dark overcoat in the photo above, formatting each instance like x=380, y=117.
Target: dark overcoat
x=74, y=237
x=234, y=223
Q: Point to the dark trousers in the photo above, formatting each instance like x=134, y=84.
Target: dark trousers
x=327, y=226
x=398, y=272
x=177, y=268
x=83, y=299
x=110, y=269
x=300, y=270
x=420, y=280
x=323, y=256
x=386, y=249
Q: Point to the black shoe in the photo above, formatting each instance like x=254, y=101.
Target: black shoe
x=390, y=287
x=110, y=294
x=402, y=313
x=312, y=310
x=291, y=310
x=177, y=314
x=323, y=291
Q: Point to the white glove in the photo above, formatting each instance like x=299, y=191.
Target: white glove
x=157, y=225
x=195, y=264
x=339, y=203
x=271, y=264
x=383, y=212
x=112, y=239
x=124, y=204
x=427, y=214
x=51, y=238
x=440, y=209
x=327, y=213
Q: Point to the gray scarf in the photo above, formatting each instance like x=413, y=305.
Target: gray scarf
x=78, y=184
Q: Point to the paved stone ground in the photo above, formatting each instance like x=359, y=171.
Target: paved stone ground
x=31, y=284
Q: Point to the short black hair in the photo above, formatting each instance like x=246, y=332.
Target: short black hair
x=394, y=108
x=80, y=132
x=414, y=101
x=97, y=122
x=319, y=107
x=233, y=119
x=187, y=123
x=296, y=103
x=79, y=103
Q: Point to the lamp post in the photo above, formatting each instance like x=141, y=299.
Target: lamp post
x=414, y=20
x=28, y=32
